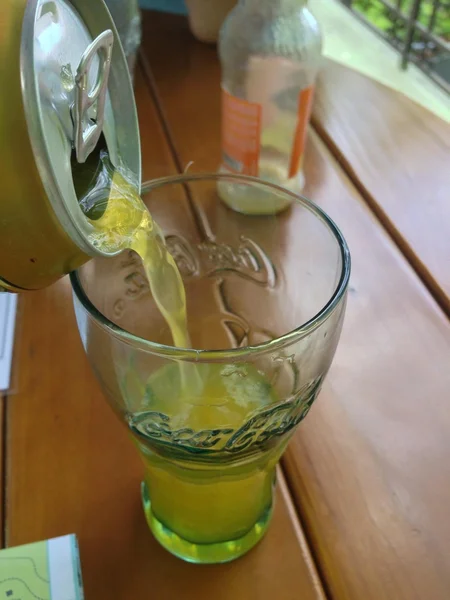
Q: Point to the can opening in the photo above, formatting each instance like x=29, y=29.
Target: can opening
x=92, y=180
x=98, y=179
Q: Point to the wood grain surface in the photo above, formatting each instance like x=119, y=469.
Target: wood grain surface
x=398, y=153
x=72, y=468
x=370, y=466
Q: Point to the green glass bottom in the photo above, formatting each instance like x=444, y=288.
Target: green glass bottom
x=203, y=553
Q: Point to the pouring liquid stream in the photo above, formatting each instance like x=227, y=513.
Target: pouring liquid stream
x=126, y=223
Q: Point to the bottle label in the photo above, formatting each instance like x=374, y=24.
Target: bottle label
x=305, y=101
x=241, y=134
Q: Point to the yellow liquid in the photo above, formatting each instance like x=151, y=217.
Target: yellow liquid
x=127, y=224
x=202, y=503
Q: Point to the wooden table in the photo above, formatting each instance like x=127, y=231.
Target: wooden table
x=362, y=510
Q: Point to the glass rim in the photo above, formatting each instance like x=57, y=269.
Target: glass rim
x=193, y=355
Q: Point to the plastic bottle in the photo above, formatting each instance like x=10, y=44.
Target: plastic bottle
x=270, y=53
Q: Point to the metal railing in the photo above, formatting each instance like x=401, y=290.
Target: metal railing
x=418, y=29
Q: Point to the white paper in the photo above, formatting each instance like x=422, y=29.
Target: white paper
x=64, y=569
x=8, y=307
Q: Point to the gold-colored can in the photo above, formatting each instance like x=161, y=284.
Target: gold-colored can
x=64, y=85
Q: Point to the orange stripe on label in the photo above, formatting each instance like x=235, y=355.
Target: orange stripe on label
x=305, y=100
x=241, y=134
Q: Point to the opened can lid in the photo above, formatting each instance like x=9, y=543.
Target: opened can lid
x=76, y=87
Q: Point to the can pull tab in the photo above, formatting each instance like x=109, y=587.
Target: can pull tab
x=88, y=128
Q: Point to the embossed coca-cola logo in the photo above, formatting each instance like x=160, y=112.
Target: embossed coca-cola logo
x=261, y=428
x=207, y=259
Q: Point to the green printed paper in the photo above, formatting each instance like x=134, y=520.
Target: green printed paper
x=48, y=570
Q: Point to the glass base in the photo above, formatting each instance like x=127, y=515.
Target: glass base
x=257, y=200
x=203, y=553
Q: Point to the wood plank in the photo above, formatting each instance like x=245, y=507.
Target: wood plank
x=370, y=465
x=72, y=468
x=397, y=152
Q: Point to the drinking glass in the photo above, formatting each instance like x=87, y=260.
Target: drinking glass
x=265, y=303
